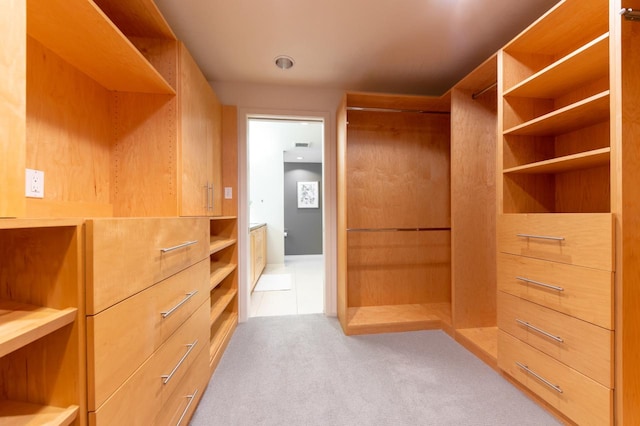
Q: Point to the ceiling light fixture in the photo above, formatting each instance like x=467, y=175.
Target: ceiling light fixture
x=284, y=62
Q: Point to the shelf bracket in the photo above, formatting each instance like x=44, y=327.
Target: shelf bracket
x=630, y=14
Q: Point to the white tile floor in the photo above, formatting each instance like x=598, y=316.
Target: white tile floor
x=307, y=290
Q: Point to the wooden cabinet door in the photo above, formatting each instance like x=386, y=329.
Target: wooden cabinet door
x=200, y=142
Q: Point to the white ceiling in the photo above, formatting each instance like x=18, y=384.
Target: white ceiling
x=283, y=135
x=393, y=46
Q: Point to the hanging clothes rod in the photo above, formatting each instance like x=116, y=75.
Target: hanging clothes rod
x=630, y=14
x=395, y=229
x=483, y=91
x=372, y=109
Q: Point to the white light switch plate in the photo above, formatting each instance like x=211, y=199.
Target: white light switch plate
x=34, y=183
x=228, y=193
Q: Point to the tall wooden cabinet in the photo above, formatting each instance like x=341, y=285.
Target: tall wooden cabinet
x=567, y=160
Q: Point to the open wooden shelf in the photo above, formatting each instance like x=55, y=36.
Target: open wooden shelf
x=81, y=34
x=21, y=323
x=219, y=340
x=586, y=64
x=586, y=112
x=218, y=244
x=221, y=270
x=223, y=297
x=583, y=160
x=138, y=18
x=392, y=318
x=485, y=338
x=21, y=413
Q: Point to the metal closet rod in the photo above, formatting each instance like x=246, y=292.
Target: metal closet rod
x=396, y=229
x=630, y=14
x=483, y=91
x=418, y=111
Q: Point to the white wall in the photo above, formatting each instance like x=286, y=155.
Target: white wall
x=285, y=101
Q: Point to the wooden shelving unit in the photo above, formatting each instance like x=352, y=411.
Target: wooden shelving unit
x=41, y=326
x=388, y=318
x=220, y=271
x=583, y=160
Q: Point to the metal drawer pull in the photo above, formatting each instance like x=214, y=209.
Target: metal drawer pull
x=541, y=237
x=538, y=283
x=179, y=246
x=539, y=377
x=167, y=377
x=182, y=302
x=191, y=397
x=545, y=333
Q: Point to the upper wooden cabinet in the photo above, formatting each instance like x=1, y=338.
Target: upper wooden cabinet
x=105, y=101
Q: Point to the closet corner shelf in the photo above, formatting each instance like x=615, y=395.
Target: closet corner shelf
x=81, y=34
x=392, y=318
x=583, y=160
x=586, y=112
x=21, y=323
x=21, y=413
x=220, y=337
x=217, y=244
x=219, y=271
x=484, y=338
x=588, y=63
x=223, y=297
x=223, y=218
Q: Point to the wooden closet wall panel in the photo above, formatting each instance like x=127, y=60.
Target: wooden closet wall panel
x=398, y=170
x=395, y=268
x=68, y=136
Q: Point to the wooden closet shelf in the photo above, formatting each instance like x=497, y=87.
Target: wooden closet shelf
x=223, y=297
x=583, y=160
x=218, y=244
x=592, y=110
x=21, y=323
x=392, y=318
x=485, y=338
x=220, y=271
x=81, y=34
x=220, y=337
x=21, y=413
x=223, y=218
x=586, y=64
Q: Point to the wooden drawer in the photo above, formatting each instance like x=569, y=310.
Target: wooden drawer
x=180, y=406
x=120, y=338
x=580, y=398
x=127, y=255
x=142, y=396
x=579, y=344
x=576, y=239
x=585, y=293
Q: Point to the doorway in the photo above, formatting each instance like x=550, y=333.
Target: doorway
x=285, y=191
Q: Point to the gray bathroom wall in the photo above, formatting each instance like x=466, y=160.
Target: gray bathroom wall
x=303, y=225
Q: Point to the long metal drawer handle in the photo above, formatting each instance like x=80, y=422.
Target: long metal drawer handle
x=167, y=377
x=539, y=377
x=182, y=302
x=179, y=246
x=192, y=398
x=541, y=237
x=545, y=333
x=541, y=284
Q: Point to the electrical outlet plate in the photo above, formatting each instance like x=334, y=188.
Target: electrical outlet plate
x=34, y=183
x=228, y=193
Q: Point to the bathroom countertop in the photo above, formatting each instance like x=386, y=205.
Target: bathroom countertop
x=253, y=226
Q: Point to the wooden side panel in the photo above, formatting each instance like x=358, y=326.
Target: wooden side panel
x=68, y=132
x=473, y=207
x=13, y=68
x=230, y=158
x=341, y=193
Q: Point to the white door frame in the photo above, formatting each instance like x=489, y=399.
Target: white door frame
x=329, y=243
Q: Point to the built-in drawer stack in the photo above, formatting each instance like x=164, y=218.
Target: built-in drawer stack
x=555, y=310
x=147, y=319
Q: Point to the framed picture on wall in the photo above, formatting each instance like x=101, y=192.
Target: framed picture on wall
x=307, y=195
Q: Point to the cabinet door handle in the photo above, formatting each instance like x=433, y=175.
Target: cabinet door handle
x=541, y=237
x=167, y=377
x=539, y=377
x=541, y=331
x=191, y=398
x=541, y=284
x=165, y=314
x=211, y=198
x=206, y=201
x=179, y=246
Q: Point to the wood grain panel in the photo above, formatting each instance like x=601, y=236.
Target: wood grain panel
x=584, y=347
x=404, y=102
x=587, y=294
x=341, y=219
x=13, y=110
x=398, y=170
x=68, y=130
x=583, y=191
x=583, y=400
x=140, y=18
x=387, y=268
x=230, y=158
x=473, y=207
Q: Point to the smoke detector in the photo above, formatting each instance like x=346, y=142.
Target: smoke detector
x=301, y=145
